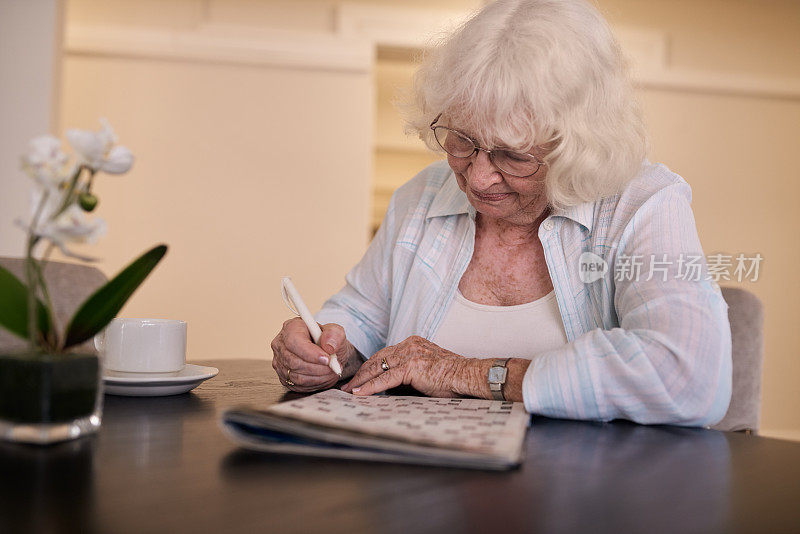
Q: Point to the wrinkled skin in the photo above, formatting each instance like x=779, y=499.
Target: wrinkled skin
x=416, y=362
x=293, y=350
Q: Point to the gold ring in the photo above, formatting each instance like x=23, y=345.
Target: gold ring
x=384, y=365
x=289, y=377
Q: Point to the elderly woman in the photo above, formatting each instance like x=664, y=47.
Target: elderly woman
x=546, y=262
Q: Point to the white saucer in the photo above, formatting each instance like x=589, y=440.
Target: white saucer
x=157, y=384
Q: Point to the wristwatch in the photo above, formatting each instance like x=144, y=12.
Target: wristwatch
x=497, y=378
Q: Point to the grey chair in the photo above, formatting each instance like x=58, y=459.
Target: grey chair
x=69, y=284
x=746, y=315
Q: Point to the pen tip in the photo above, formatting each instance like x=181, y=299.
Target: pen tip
x=335, y=366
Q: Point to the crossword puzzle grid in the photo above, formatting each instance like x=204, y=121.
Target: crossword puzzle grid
x=466, y=424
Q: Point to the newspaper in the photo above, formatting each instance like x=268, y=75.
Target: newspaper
x=455, y=432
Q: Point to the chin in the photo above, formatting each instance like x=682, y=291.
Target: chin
x=492, y=210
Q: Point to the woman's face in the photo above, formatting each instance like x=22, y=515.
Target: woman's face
x=495, y=195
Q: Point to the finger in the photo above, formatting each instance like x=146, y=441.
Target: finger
x=291, y=361
x=308, y=389
x=283, y=357
x=297, y=340
x=368, y=370
x=364, y=373
x=387, y=380
x=302, y=382
x=333, y=338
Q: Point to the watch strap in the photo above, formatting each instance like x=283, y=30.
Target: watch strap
x=497, y=387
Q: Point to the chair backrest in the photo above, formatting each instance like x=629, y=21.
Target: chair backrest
x=69, y=285
x=746, y=315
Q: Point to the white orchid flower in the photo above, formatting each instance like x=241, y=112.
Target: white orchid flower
x=99, y=151
x=51, y=204
x=45, y=162
x=72, y=226
x=69, y=226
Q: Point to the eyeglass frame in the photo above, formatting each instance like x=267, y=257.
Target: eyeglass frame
x=489, y=152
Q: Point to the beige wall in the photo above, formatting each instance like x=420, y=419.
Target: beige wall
x=211, y=140
x=242, y=168
x=746, y=36
x=28, y=89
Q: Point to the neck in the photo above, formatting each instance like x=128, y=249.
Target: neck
x=509, y=232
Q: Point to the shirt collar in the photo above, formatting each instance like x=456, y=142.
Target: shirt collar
x=451, y=200
x=582, y=214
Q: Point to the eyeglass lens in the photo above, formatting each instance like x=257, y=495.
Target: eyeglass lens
x=461, y=146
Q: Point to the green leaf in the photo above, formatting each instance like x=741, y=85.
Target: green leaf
x=14, y=307
x=100, y=308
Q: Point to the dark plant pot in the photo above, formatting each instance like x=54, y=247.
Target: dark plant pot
x=46, y=398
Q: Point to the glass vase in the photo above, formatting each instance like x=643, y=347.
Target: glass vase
x=48, y=398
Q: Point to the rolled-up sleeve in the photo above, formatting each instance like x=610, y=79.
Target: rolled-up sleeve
x=669, y=361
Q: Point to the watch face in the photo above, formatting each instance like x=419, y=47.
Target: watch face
x=497, y=375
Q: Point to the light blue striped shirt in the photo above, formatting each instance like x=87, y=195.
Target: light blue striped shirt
x=651, y=349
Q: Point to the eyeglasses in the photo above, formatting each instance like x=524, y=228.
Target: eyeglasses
x=460, y=145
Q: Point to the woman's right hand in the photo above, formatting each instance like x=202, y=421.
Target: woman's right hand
x=294, y=351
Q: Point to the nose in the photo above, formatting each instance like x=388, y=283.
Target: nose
x=482, y=173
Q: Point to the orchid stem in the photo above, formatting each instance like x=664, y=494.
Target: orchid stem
x=30, y=272
x=31, y=278
x=40, y=268
x=70, y=191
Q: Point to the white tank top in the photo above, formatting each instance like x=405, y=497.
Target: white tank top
x=479, y=331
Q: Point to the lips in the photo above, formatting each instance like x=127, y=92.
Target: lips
x=489, y=197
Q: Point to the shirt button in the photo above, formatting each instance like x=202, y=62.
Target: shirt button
x=547, y=225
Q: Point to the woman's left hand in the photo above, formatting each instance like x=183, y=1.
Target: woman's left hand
x=416, y=362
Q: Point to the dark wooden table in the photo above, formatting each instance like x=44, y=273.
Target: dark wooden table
x=162, y=465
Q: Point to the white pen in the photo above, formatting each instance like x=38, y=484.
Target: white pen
x=295, y=303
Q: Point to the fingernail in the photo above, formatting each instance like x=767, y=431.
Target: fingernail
x=323, y=359
x=356, y=390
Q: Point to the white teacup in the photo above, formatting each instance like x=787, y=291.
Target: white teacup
x=143, y=345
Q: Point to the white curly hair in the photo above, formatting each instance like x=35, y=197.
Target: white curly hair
x=525, y=73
